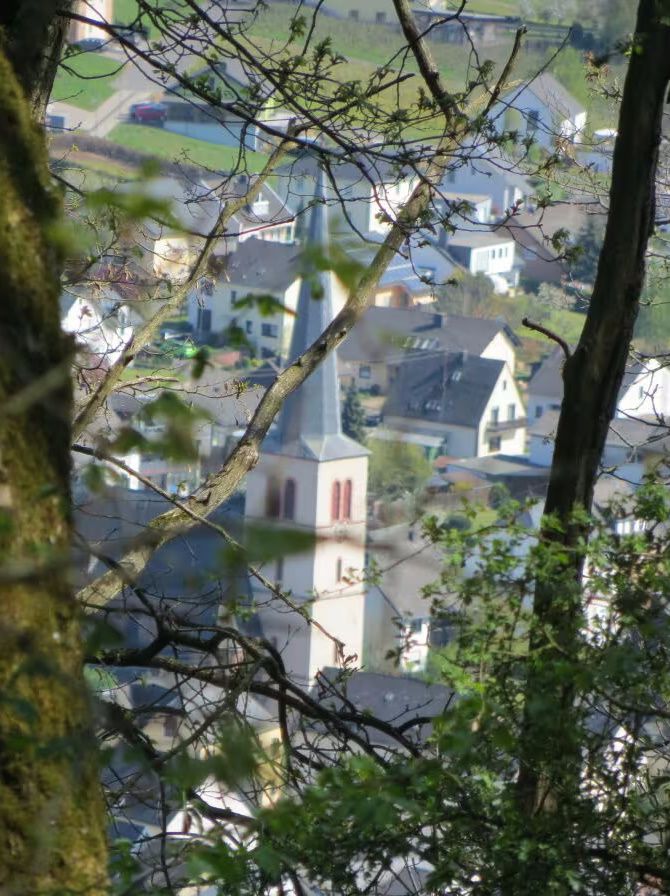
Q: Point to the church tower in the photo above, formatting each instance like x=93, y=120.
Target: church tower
x=312, y=478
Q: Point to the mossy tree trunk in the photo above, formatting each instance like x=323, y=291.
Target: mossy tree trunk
x=52, y=823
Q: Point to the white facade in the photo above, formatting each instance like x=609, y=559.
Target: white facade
x=500, y=348
x=501, y=428
x=269, y=334
x=100, y=324
x=497, y=432
x=648, y=395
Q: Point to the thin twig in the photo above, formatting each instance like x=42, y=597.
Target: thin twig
x=549, y=334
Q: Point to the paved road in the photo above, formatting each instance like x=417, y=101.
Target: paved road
x=137, y=82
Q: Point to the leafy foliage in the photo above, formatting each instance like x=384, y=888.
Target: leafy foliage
x=397, y=468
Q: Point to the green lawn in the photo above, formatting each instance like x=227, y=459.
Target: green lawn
x=493, y=7
x=166, y=145
x=85, y=80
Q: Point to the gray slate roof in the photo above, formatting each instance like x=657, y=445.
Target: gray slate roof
x=552, y=93
x=547, y=381
x=263, y=264
x=452, y=388
x=396, y=699
x=384, y=333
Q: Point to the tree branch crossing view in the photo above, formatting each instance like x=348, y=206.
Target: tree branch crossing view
x=335, y=448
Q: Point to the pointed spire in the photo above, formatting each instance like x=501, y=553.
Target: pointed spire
x=313, y=412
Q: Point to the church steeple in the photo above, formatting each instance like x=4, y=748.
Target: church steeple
x=312, y=477
x=309, y=423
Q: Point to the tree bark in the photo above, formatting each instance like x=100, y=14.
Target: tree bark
x=52, y=822
x=550, y=758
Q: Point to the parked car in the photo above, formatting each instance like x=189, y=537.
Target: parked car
x=90, y=43
x=148, y=113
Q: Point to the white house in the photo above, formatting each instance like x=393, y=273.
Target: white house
x=456, y=404
x=486, y=252
x=256, y=296
x=95, y=11
x=644, y=392
x=380, y=341
x=542, y=109
x=99, y=320
x=486, y=171
x=364, y=196
x=628, y=447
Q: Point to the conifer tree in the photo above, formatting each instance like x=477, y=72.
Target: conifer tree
x=353, y=415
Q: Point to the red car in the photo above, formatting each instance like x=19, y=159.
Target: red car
x=148, y=113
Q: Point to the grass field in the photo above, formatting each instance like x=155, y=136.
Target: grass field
x=367, y=46
x=165, y=145
x=85, y=80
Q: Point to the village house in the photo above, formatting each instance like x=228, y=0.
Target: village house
x=633, y=447
x=379, y=343
x=456, y=404
x=544, y=110
x=412, y=276
x=541, y=236
x=100, y=321
x=487, y=252
x=254, y=301
x=364, y=196
x=644, y=392
x=486, y=171
x=95, y=11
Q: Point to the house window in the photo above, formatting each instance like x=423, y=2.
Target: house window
x=640, y=393
x=335, y=501
x=504, y=385
x=495, y=443
x=338, y=570
x=495, y=415
x=538, y=411
x=500, y=253
x=364, y=372
x=289, y=499
x=353, y=14
x=171, y=726
x=279, y=573
x=248, y=326
x=511, y=412
x=273, y=499
x=204, y=320
x=270, y=330
x=493, y=253
x=533, y=121
x=233, y=295
x=346, y=500
x=380, y=18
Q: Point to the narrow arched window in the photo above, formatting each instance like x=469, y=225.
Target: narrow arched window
x=289, y=499
x=335, y=501
x=273, y=499
x=346, y=500
x=338, y=570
